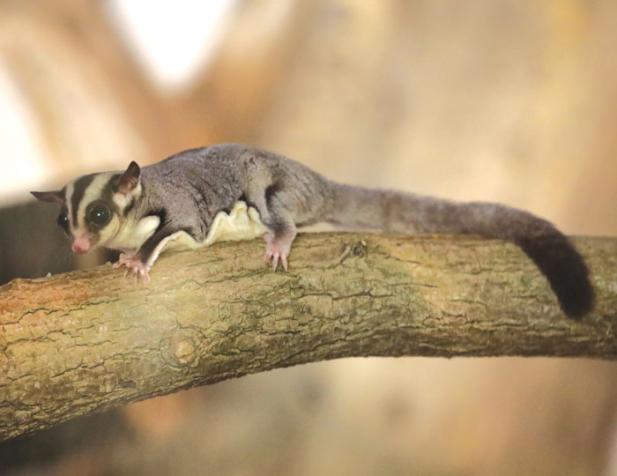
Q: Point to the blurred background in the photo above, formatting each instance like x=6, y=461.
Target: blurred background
x=504, y=100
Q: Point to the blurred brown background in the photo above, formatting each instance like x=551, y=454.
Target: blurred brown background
x=513, y=101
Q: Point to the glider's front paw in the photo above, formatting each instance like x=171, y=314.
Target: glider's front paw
x=134, y=266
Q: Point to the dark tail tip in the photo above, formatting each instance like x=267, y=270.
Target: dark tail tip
x=565, y=270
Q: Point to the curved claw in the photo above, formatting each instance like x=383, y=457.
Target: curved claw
x=277, y=251
x=134, y=266
x=123, y=260
x=284, y=261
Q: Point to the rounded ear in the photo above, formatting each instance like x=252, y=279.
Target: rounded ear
x=56, y=197
x=129, y=179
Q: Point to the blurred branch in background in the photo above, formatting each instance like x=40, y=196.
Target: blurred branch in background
x=88, y=103
x=76, y=343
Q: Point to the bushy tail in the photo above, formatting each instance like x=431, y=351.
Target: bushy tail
x=550, y=250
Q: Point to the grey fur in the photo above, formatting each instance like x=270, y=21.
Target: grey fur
x=189, y=189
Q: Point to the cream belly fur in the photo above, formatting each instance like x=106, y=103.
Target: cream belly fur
x=242, y=223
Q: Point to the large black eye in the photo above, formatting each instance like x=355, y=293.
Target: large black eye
x=98, y=214
x=63, y=221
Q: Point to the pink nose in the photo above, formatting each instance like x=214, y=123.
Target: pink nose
x=80, y=246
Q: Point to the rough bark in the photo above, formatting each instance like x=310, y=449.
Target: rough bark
x=80, y=342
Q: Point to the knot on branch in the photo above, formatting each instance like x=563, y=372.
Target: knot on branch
x=357, y=249
x=181, y=349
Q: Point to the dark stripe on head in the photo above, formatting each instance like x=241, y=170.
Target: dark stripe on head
x=79, y=188
x=108, y=192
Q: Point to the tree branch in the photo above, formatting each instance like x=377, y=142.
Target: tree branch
x=85, y=341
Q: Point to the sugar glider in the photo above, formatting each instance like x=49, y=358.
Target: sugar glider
x=231, y=192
